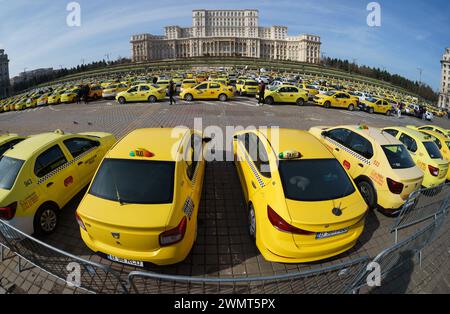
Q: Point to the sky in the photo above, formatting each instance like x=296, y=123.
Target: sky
x=413, y=34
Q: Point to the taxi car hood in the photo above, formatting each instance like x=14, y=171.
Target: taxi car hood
x=327, y=215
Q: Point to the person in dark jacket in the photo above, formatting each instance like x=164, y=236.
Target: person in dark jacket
x=86, y=94
x=262, y=91
x=172, y=88
x=79, y=95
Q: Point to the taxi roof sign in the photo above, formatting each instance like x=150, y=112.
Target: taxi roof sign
x=289, y=154
x=141, y=152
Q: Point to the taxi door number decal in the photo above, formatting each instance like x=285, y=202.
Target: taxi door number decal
x=346, y=165
x=68, y=181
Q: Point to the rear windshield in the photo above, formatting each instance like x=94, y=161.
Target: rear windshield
x=9, y=169
x=135, y=181
x=432, y=150
x=314, y=180
x=398, y=156
x=251, y=83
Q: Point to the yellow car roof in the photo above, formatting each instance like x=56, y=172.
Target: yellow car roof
x=413, y=133
x=297, y=140
x=6, y=137
x=436, y=135
x=159, y=141
x=373, y=133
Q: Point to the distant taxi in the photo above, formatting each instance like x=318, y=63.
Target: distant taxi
x=379, y=163
x=208, y=90
x=142, y=92
x=425, y=154
x=312, y=91
x=188, y=83
x=143, y=202
x=376, y=105
x=70, y=95
x=302, y=205
x=42, y=173
x=54, y=98
x=111, y=91
x=285, y=94
x=336, y=99
x=247, y=87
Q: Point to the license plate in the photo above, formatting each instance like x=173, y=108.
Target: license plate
x=323, y=235
x=125, y=261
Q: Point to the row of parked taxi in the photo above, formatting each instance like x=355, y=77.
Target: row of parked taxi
x=306, y=197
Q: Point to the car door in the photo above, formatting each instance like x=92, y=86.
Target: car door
x=132, y=94
x=213, y=90
x=410, y=144
x=361, y=151
x=54, y=176
x=201, y=91
x=336, y=140
x=144, y=92
x=86, y=158
x=282, y=94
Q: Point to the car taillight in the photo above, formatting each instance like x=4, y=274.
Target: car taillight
x=280, y=224
x=433, y=170
x=174, y=235
x=394, y=186
x=80, y=222
x=8, y=212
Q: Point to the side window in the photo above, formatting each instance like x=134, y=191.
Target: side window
x=144, y=88
x=392, y=132
x=78, y=146
x=283, y=90
x=48, y=161
x=258, y=155
x=133, y=89
x=339, y=135
x=202, y=86
x=426, y=128
x=5, y=147
x=409, y=142
x=214, y=86
x=293, y=90
x=361, y=146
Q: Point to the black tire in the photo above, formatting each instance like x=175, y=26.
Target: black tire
x=46, y=219
x=122, y=100
x=351, y=107
x=371, y=111
x=388, y=113
x=368, y=193
x=269, y=101
x=188, y=97
x=327, y=104
x=300, y=102
x=152, y=99
x=251, y=222
x=223, y=97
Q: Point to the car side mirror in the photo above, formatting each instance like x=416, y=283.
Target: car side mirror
x=325, y=133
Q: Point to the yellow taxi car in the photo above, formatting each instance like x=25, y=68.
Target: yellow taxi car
x=70, y=95
x=95, y=92
x=21, y=104
x=188, y=83
x=425, y=154
x=142, y=92
x=54, y=98
x=247, y=87
x=111, y=91
x=9, y=140
x=375, y=105
x=434, y=128
x=143, y=202
x=312, y=91
x=285, y=94
x=43, y=99
x=32, y=101
x=380, y=164
x=43, y=173
x=302, y=205
x=336, y=99
x=208, y=90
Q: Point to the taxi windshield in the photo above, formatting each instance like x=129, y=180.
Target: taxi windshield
x=314, y=180
x=398, y=156
x=9, y=169
x=135, y=181
x=330, y=93
x=432, y=150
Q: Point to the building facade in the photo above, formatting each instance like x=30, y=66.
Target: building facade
x=226, y=33
x=4, y=75
x=33, y=74
x=444, y=90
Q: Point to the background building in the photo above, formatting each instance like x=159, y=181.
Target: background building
x=226, y=33
x=444, y=91
x=4, y=75
x=30, y=75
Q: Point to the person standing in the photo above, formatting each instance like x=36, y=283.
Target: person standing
x=262, y=91
x=86, y=93
x=79, y=94
x=171, y=91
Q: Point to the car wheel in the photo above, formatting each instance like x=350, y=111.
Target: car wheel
x=351, y=108
x=46, y=219
x=223, y=97
x=252, y=222
x=388, y=113
x=327, y=104
x=122, y=100
x=368, y=193
x=300, y=102
x=269, y=101
x=152, y=99
x=188, y=97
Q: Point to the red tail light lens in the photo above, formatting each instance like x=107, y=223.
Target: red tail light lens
x=174, y=235
x=80, y=222
x=282, y=225
x=433, y=170
x=8, y=212
x=394, y=186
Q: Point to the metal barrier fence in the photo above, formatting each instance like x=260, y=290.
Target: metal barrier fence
x=422, y=205
x=395, y=260
x=334, y=279
x=84, y=274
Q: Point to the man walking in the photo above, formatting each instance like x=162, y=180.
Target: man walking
x=262, y=91
x=86, y=93
x=171, y=91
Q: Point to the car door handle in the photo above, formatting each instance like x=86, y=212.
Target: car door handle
x=337, y=149
x=80, y=163
x=361, y=165
x=49, y=184
x=254, y=185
